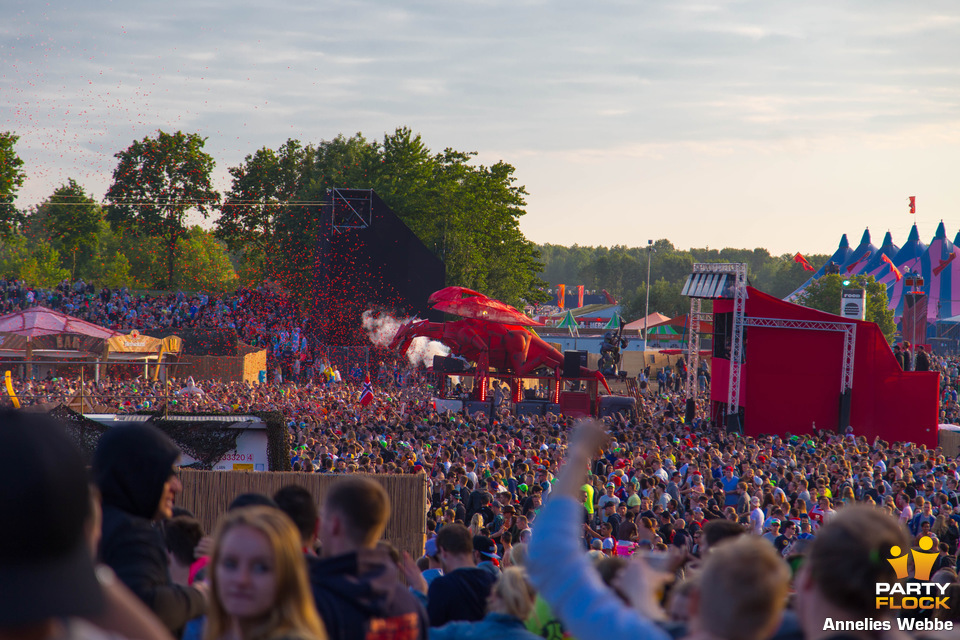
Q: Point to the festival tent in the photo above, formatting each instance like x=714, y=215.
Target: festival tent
x=40, y=321
x=877, y=266
x=654, y=318
x=861, y=256
x=910, y=259
x=840, y=257
x=941, y=286
x=137, y=348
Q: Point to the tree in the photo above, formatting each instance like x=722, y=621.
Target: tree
x=263, y=187
x=824, y=294
x=11, y=179
x=73, y=221
x=467, y=214
x=156, y=183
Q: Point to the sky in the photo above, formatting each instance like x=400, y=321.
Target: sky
x=754, y=123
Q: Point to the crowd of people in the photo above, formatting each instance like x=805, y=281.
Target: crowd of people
x=639, y=526
x=537, y=528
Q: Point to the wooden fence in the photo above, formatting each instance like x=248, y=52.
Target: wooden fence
x=208, y=493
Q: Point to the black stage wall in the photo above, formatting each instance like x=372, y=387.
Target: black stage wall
x=368, y=258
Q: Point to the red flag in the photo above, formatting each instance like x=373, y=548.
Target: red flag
x=853, y=266
x=803, y=262
x=579, y=296
x=366, y=392
x=896, y=272
x=561, y=295
x=913, y=204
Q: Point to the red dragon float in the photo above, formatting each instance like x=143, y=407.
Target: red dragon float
x=491, y=334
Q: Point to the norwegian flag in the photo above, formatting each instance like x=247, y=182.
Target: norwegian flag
x=366, y=392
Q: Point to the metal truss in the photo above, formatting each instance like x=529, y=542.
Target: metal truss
x=350, y=208
x=739, y=270
x=693, y=348
x=849, y=330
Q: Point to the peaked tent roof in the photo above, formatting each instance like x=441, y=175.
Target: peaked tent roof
x=841, y=257
x=40, y=321
x=912, y=257
x=861, y=256
x=876, y=266
x=654, y=318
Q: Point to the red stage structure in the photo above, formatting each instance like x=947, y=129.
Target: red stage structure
x=782, y=368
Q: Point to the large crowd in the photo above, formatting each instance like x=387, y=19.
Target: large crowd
x=638, y=526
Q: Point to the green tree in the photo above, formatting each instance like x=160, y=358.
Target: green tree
x=824, y=294
x=73, y=221
x=263, y=186
x=467, y=214
x=664, y=297
x=42, y=268
x=11, y=179
x=207, y=265
x=156, y=183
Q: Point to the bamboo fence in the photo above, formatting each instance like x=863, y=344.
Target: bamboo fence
x=208, y=493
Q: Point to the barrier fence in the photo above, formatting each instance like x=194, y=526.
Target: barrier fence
x=208, y=493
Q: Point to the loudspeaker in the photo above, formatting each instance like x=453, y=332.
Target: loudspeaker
x=690, y=412
x=572, y=361
x=471, y=407
x=612, y=405
x=845, y=399
x=443, y=364
x=530, y=408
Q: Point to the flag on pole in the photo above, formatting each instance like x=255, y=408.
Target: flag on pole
x=366, y=392
x=853, y=266
x=579, y=296
x=913, y=204
x=803, y=262
x=561, y=295
x=896, y=272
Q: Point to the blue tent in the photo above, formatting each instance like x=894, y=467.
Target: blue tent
x=861, y=256
x=912, y=257
x=841, y=258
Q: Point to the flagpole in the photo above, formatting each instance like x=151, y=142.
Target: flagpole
x=646, y=313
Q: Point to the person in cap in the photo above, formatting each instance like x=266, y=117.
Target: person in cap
x=133, y=467
x=434, y=569
x=772, y=530
x=485, y=555
x=49, y=585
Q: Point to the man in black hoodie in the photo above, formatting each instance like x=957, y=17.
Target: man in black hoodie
x=461, y=592
x=356, y=584
x=133, y=467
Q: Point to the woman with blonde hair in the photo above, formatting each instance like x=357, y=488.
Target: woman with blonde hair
x=259, y=588
x=476, y=525
x=510, y=603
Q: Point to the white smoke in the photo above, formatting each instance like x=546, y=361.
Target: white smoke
x=422, y=350
x=382, y=327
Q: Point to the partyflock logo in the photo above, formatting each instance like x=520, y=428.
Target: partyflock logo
x=917, y=594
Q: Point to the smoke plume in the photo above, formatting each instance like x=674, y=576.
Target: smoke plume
x=382, y=327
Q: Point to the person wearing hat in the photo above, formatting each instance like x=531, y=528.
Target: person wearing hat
x=485, y=555
x=756, y=516
x=133, y=467
x=772, y=530
x=49, y=585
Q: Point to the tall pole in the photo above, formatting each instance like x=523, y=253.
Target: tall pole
x=646, y=312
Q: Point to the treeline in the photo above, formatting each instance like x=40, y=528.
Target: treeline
x=622, y=271
x=68, y=237
x=267, y=224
